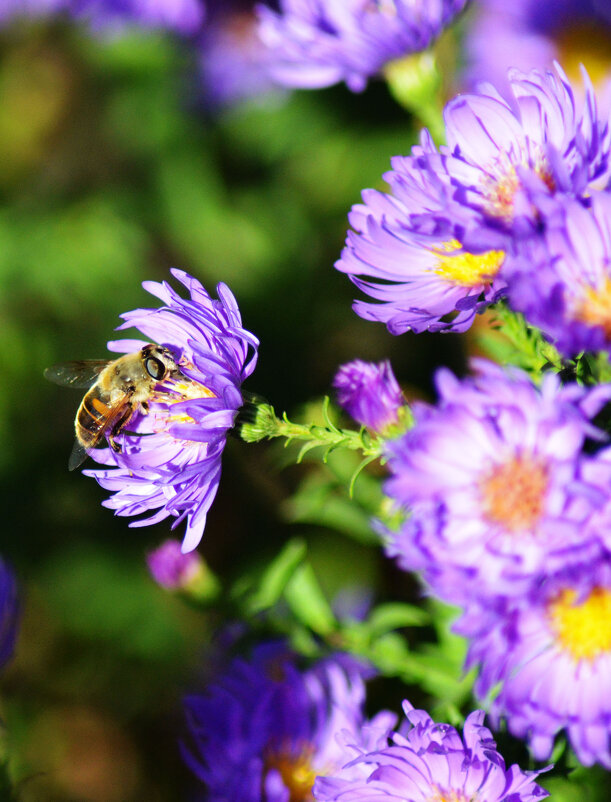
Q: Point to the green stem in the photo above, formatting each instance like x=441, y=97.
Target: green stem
x=415, y=83
x=265, y=425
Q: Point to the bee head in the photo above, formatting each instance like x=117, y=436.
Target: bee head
x=158, y=362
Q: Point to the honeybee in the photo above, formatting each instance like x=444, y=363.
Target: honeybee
x=117, y=389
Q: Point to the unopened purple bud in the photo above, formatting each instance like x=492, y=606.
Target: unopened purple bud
x=172, y=569
x=369, y=393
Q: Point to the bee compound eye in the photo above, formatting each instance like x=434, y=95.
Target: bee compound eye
x=154, y=367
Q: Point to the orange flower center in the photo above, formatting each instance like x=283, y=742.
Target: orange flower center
x=582, y=629
x=513, y=493
x=594, y=306
x=296, y=771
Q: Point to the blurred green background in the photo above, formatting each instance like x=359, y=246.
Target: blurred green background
x=111, y=172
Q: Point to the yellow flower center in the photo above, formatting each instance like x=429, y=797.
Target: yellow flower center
x=582, y=629
x=466, y=269
x=513, y=494
x=181, y=391
x=296, y=771
x=594, y=306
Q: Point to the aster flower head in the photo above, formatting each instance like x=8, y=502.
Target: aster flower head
x=369, y=393
x=264, y=729
x=427, y=761
x=170, y=461
x=419, y=280
x=551, y=656
x=323, y=42
x=498, y=488
x=562, y=281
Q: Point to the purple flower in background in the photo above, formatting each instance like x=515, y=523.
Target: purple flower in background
x=264, y=729
x=30, y=8
x=232, y=58
x=530, y=34
x=369, y=393
x=430, y=762
x=498, y=489
x=171, y=466
x=9, y=613
x=323, y=42
x=551, y=655
x=183, y=16
x=171, y=568
x=562, y=282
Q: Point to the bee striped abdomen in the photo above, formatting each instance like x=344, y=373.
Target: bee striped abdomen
x=92, y=416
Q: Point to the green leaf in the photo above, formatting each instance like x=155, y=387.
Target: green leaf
x=394, y=615
x=276, y=576
x=307, y=601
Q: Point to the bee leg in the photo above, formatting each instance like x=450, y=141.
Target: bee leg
x=114, y=445
x=117, y=428
x=144, y=407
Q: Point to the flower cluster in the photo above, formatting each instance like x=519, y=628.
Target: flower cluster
x=264, y=729
x=439, y=248
x=170, y=462
x=505, y=485
x=499, y=489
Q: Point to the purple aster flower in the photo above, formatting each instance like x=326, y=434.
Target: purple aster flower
x=233, y=60
x=529, y=34
x=264, y=729
x=498, y=488
x=562, y=282
x=183, y=16
x=318, y=43
x=432, y=253
x=171, y=568
x=420, y=281
x=170, y=461
x=430, y=762
x=369, y=393
x=9, y=613
x=551, y=655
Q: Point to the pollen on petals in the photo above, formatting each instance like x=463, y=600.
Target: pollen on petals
x=582, y=628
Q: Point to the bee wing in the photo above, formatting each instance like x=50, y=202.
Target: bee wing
x=103, y=417
x=80, y=374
